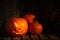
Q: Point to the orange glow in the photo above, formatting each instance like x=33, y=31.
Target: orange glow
x=35, y=28
x=17, y=26
x=29, y=18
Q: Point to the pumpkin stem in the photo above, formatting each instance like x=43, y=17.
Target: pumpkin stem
x=36, y=22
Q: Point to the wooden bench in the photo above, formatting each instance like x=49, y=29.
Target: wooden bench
x=42, y=36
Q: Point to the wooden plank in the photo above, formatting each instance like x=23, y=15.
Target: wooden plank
x=25, y=37
x=43, y=36
x=34, y=37
x=6, y=38
x=53, y=37
x=16, y=38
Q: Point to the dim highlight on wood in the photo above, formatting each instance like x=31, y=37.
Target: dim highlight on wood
x=42, y=36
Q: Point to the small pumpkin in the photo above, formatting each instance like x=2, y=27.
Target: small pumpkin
x=30, y=17
x=35, y=28
x=17, y=26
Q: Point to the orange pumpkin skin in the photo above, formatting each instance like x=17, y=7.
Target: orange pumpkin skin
x=35, y=28
x=17, y=26
x=29, y=18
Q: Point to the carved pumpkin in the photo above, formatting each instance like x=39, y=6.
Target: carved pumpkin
x=35, y=28
x=17, y=26
x=29, y=17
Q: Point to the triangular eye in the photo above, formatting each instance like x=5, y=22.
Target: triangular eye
x=16, y=25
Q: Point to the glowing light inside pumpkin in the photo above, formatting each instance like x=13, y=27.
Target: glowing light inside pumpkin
x=18, y=29
x=15, y=24
x=18, y=32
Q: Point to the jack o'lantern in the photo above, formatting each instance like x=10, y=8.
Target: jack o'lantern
x=35, y=28
x=17, y=26
x=29, y=17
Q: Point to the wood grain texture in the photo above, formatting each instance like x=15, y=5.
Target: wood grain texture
x=16, y=38
x=42, y=36
x=7, y=38
x=53, y=37
x=25, y=37
x=34, y=37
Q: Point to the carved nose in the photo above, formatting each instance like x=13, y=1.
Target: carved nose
x=18, y=29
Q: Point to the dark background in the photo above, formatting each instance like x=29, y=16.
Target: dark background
x=48, y=12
